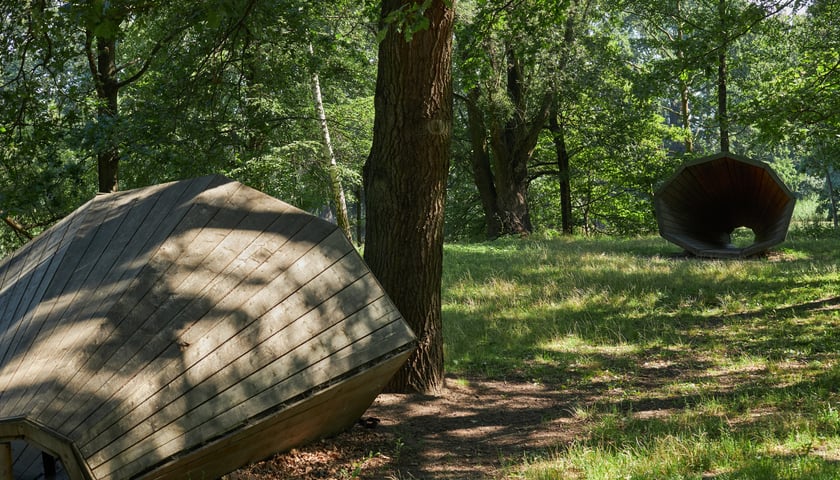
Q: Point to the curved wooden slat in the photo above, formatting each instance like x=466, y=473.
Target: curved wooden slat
x=705, y=200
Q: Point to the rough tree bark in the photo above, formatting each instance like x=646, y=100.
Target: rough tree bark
x=564, y=169
x=405, y=176
x=512, y=142
x=564, y=173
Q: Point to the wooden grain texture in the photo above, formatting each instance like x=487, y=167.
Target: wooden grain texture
x=706, y=199
x=212, y=348
x=326, y=412
x=279, y=380
x=154, y=324
x=60, y=358
x=19, y=330
x=113, y=348
x=236, y=308
x=74, y=397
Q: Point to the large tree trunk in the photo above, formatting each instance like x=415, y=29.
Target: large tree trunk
x=480, y=162
x=564, y=169
x=512, y=183
x=405, y=180
x=513, y=141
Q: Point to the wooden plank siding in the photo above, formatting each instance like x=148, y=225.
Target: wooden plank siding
x=97, y=284
x=706, y=199
x=326, y=411
x=150, y=328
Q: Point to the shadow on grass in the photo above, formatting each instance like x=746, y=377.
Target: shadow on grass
x=482, y=429
x=632, y=346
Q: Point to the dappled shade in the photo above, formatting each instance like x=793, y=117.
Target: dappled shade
x=184, y=330
x=700, y=206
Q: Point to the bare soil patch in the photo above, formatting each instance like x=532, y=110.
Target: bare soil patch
x=471, y=431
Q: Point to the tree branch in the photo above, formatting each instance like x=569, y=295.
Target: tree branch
x=91, y=58
x=17, y=227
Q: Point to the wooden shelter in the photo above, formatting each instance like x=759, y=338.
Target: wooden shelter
x=705, y=200
x=184, y=330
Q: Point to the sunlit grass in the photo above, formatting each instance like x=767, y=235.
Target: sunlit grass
x=696, y=368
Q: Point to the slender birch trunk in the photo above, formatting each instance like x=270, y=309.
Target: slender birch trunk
x=336, y=190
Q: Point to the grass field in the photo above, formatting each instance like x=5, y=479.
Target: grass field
x=692, y=368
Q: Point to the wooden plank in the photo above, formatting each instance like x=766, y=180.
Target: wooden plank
x=338, y=357
x=327, y=412
x=10, y=300
x=6, y=461
x=57, y=300
x=19, y=347
x=15, y=282
x=231, y=362
x=62, y=352
x=681, y=190
x=167, y=339
x=20, y=273
x=75, y=382
x=73, y=251
x=49, y=441
x=118, y=324
x=286, y=270
x=193, y=336
x=26, y=461
x=23, y=457
x=251, y=306
x=55, y=339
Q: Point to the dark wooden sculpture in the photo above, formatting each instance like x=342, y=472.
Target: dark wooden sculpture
x=700, y=206
x=184, y=330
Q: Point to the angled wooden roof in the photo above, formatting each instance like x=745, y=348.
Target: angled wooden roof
x=701, y=204
x=186, y=329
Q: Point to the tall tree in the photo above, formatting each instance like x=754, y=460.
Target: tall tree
x=405, y=175
x=509, y=99
x=41, y=177
x=602, y=151
x=575, y=16
x=103, y=24
x=336, y=190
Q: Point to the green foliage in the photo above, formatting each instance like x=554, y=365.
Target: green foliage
x=408, y=19
x=225, y=89
x=221, y=87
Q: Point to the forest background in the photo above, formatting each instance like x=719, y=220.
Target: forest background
x=567, y=115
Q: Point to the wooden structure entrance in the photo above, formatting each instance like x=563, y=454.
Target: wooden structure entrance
x=184, y=330
x=700, y=206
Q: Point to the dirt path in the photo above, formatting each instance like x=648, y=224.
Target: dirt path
x=470, y=432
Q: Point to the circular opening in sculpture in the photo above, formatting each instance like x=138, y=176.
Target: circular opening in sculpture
x=742, y=237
